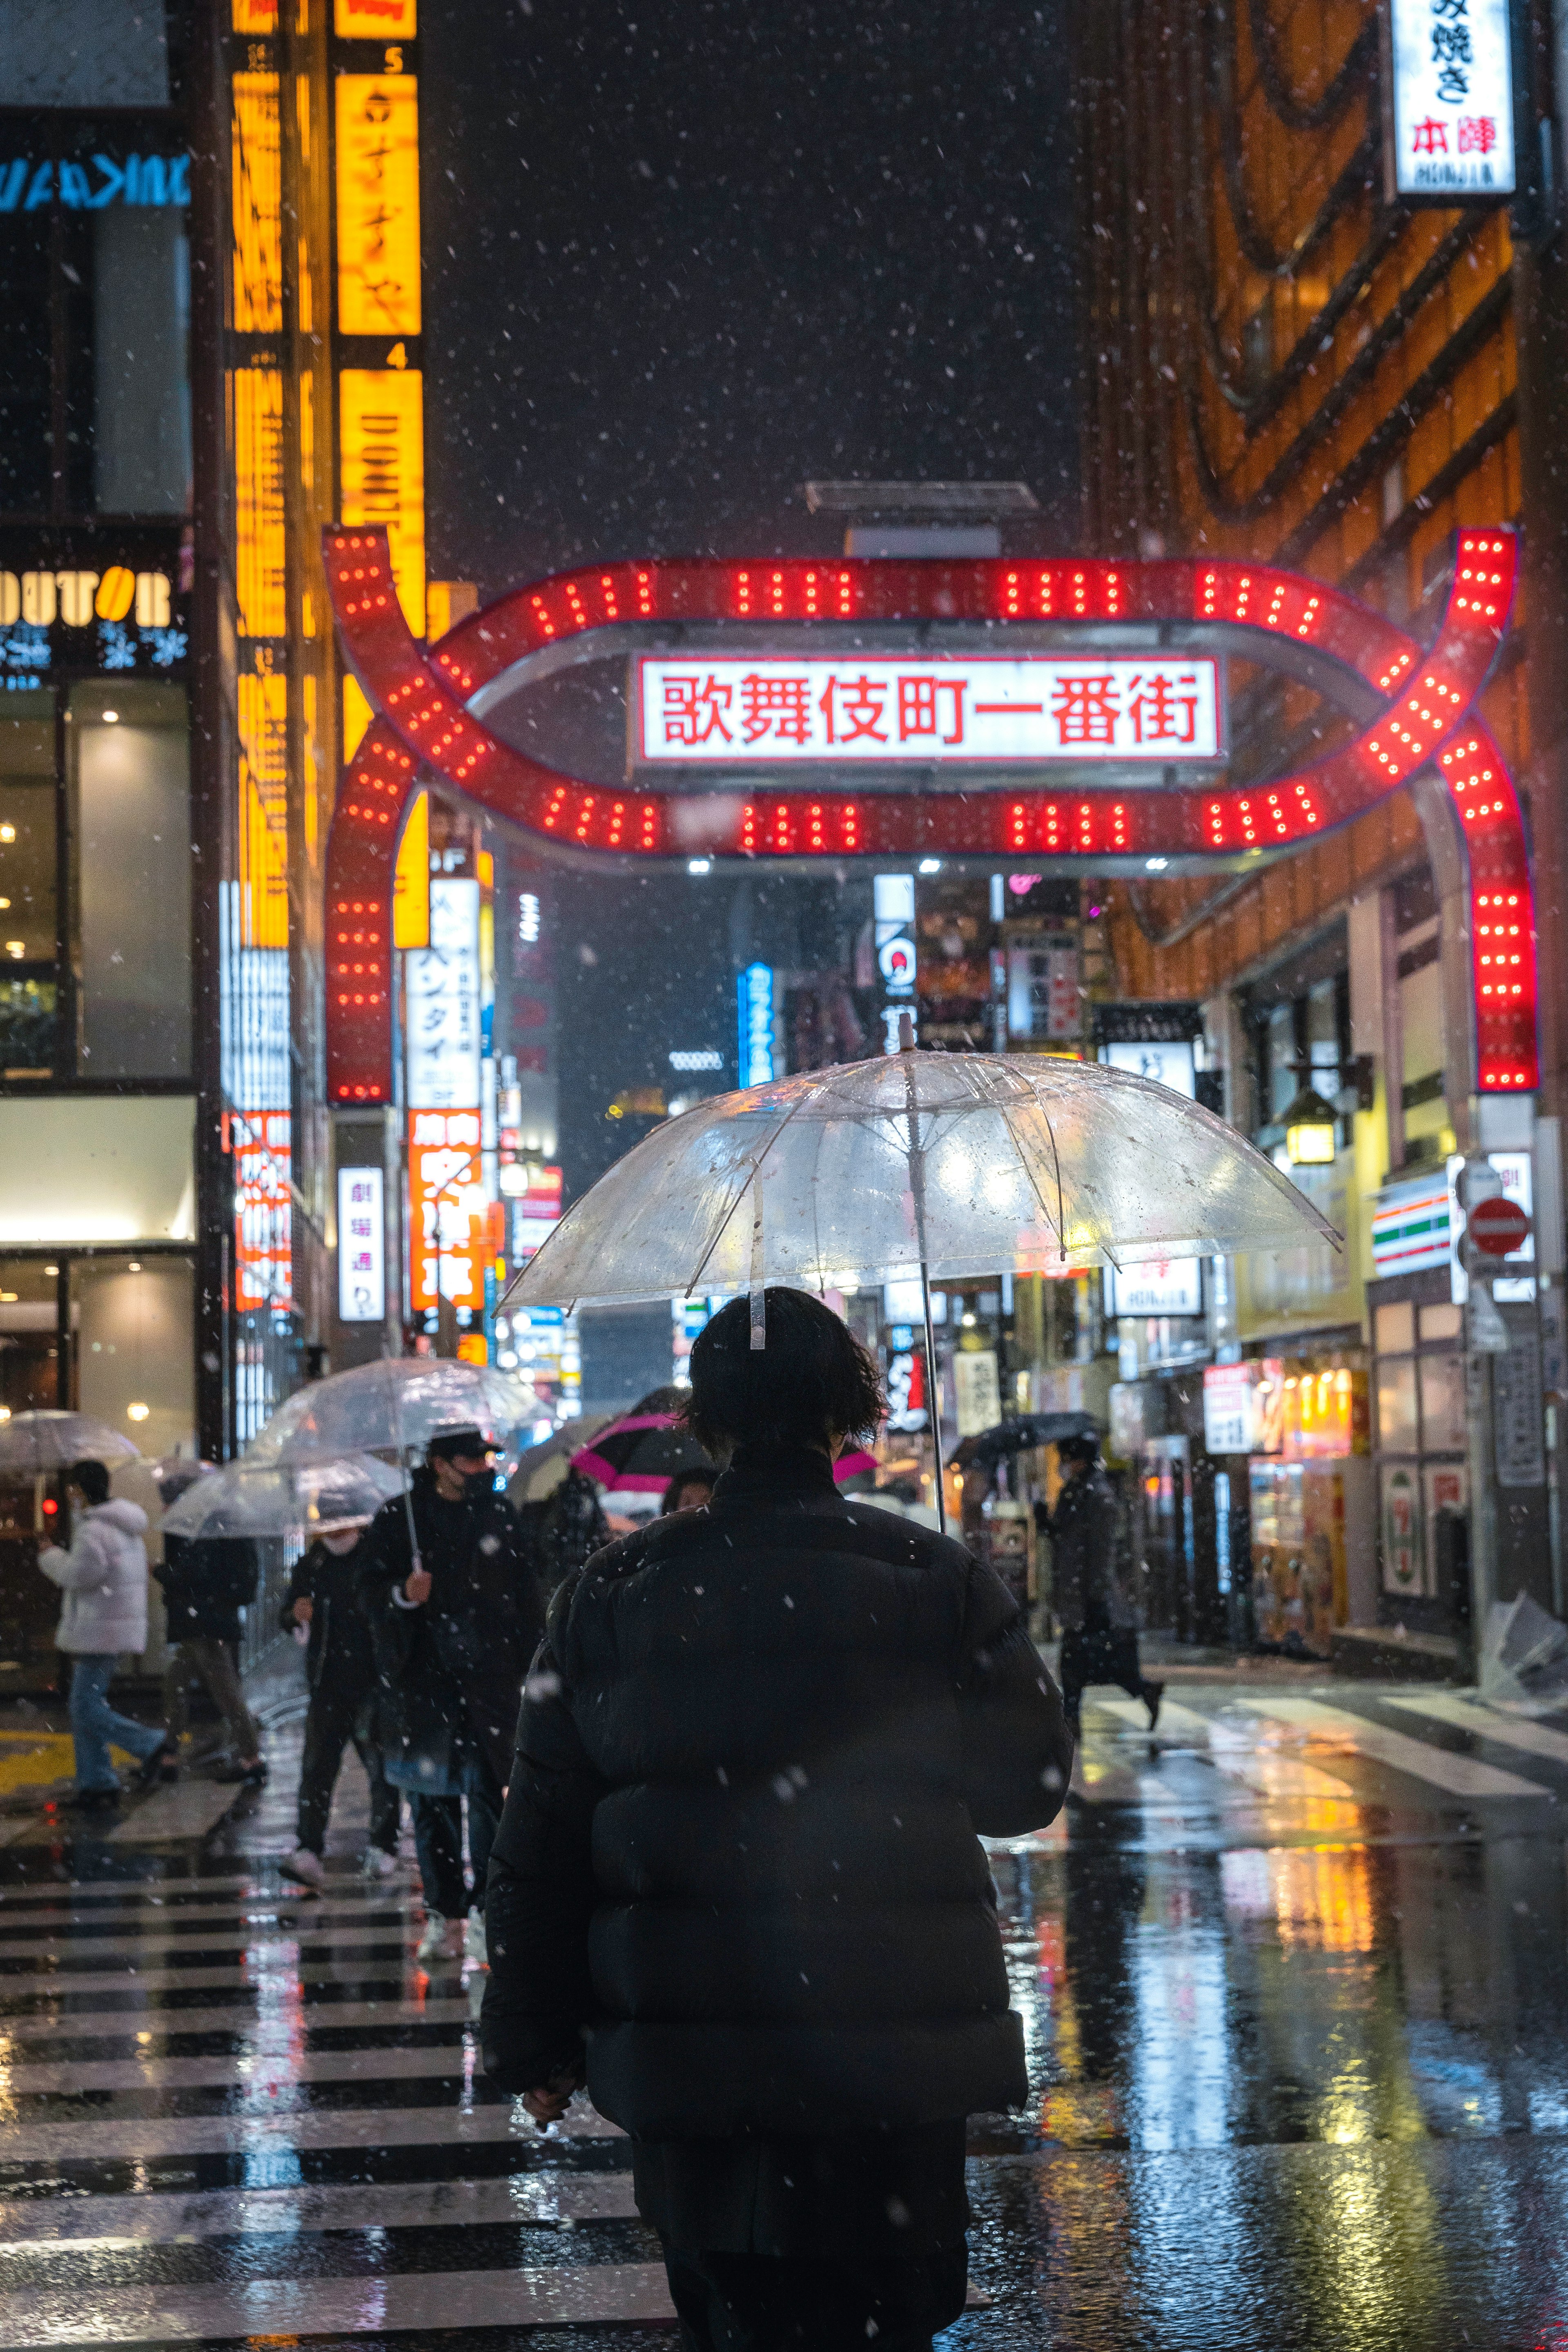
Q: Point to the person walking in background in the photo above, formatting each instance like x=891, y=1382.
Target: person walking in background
x=688, y=1490
x=564, y=1529
x=455, y=1616
x=737, y=1887
x=322, y=1602
x=1100, y=1636
x=207, y=1582
x=103, y=1577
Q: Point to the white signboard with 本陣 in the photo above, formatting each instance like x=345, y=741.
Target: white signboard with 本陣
x=1451, y=121
x=1159, y=1287
x=1098, y=708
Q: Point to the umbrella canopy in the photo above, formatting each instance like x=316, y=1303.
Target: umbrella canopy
x=949, y=1164
x=283, y=1500
x=641, y=1452
x=30, y=1441
x=1031, y=1428
x=394, y=1406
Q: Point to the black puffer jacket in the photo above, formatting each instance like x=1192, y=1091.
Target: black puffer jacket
x=739, y=1853
x=1086, y=1586
x=340, y=1650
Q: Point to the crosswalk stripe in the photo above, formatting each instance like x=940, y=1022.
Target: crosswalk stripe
x=1457, y=1776
x=174, y=2218
x=189, y=1810
x=258, y=2072
x=115, y=2138
x=267, y=1961
x=430, y=2305
x=1234, y=1753
x=19, y=1959
x=21, y=2032
x=261, y=1878
x=1465, y=1711
x=189, y=1922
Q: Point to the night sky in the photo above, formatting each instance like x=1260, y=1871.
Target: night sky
x=681, y=257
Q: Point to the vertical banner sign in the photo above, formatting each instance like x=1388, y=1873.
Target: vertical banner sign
x=1449, y=124
x=754, y=989
x=380, y=459
x=442, y=983
x=361, y=1246
x=893, y=917
x=378, y=206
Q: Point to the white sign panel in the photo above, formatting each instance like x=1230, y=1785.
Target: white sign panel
x=442, y=989
x=1164, y=1287
x=1168, y=1061
x=947, y=708
x=1452, y=127
x=362, y=1246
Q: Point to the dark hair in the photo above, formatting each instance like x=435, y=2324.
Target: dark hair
x=812, y=1377
x=92, y=1478
x=1079, y=1449
x=694, y=1476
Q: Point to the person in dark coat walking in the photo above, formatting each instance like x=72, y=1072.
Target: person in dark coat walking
x=207, y=1582
x=738, y=1888
x=1099, y=1625
x=322, y=1602
x=455, y=1616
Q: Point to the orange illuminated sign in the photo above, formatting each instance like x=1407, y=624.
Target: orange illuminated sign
x=375, y=20
x=258, y=536
x=378, y=204
x=381, y=460
x=448, y=1210
x=258, y=199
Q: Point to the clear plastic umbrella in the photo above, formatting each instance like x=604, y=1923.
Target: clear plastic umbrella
x=297, y=1499
x=942, y=1164
x=31, y=1442
x=394, y=1406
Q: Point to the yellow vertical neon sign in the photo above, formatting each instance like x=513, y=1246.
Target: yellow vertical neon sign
x=381, y=468
x=257, y=200
x=378, y=203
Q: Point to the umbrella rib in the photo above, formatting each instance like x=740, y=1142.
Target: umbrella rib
x=753, y=1175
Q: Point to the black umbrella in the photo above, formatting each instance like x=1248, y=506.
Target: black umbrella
x=1030, y=1429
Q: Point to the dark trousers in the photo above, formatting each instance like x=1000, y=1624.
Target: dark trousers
x=771, y=2302
x=332, y=1723
x=438, y=1840
x=1099, y=1654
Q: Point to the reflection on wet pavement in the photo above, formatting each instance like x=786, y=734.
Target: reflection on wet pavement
x=1293, y=1972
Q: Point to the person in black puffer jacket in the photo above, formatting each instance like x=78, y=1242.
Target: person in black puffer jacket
x=322, y=1601
x=737, y=1886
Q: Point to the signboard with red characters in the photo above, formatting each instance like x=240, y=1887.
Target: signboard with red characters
x=1106, y=708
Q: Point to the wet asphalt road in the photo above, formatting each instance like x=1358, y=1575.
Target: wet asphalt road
x=1295, y=1981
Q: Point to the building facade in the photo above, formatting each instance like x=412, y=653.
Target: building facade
x=1291, y=358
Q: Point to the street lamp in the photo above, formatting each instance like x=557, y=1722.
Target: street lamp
x=1312, y=1131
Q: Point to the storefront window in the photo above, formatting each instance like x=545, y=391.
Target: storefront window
x=28, y=913
x=30, y=1348
x=1443, y=1419
x=130, y=758
x=132, y=1320
x=1397, y=1405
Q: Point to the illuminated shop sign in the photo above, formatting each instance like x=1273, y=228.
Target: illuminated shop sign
x=754, y=989
x=442, y=987
x=1107, y=708
x=361, y=1246
x=1167, y=1061
x=448, y=1210
x=119, y=618
x=1164, y=1287
x=1449, y=130
x=378, y=204
x=26, y=186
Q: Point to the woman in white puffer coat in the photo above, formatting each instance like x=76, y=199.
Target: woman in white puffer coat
x=104, y=1580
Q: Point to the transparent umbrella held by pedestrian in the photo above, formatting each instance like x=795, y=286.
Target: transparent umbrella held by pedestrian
x=392, y=1406
x=31, y=1442
x=944, y=1165
x=301, y=1498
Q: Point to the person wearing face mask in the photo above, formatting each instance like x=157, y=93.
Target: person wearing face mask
x=455, y=1616
x=323, y=1605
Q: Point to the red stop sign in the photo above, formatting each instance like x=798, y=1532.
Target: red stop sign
x=1498, y=1226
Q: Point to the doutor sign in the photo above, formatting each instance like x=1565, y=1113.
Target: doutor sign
x=1498, y=1226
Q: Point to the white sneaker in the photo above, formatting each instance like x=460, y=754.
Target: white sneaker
x=432, y=1944
x=307, y=1868
x=474, y=1944
x=377, y=1862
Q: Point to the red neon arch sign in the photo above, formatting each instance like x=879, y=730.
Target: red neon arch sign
x=424, y=723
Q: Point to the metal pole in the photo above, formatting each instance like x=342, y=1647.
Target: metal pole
x=918, y=1194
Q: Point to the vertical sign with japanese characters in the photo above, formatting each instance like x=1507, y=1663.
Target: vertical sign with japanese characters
x=442, y=990
x=361, y=1246
x=1449, y=129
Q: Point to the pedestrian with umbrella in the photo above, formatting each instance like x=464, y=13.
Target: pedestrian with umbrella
x=455, y=1616
x=322, y=1602
x=1099, y=1625
x=738, y=1886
